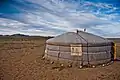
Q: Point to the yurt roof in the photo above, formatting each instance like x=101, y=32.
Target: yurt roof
x=69, y=37
x=91, y=38
x=80, y=37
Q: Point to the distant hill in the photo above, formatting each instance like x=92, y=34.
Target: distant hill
x=1, y=35
x=22, y=37
x=19, y=35
x=117, y=40
x=113, y=38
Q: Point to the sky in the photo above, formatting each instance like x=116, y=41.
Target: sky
x=54, y=17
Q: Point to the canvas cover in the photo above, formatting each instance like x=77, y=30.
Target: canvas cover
x=83, y=47
x=67, y=38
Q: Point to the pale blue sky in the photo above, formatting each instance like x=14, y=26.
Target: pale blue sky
x=54, y=17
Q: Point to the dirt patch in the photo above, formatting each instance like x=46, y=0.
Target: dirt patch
x=22, y=60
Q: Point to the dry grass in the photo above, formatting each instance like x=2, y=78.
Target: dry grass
x=22, y=60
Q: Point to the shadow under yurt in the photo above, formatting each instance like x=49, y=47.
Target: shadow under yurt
x=81, y=47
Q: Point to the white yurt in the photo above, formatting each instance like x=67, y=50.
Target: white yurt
x=81, y=47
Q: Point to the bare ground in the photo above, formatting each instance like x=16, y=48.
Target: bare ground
x=22, y=60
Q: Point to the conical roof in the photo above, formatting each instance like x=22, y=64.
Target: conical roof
x=79, y=37
x=91, y=38
x=69, y=37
